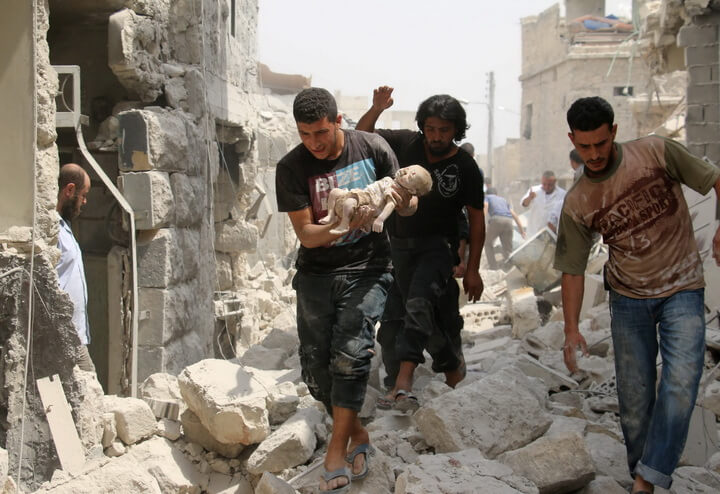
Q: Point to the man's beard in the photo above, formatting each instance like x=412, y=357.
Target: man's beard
x=436, y=151
x=70, y=209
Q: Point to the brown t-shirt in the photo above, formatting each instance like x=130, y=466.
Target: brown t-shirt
x=639, y=208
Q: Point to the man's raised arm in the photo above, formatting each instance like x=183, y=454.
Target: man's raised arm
x=382, y=100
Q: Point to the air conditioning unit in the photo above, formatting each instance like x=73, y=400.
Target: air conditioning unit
x=67, y=102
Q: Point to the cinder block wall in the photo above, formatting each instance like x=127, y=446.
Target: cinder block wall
x=702, y=56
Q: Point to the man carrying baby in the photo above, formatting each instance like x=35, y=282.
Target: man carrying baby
x=424, y=245
x=342, y=279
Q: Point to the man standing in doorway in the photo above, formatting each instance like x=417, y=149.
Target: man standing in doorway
x=542, y=199
x=631, y=194
x=74, y=185
x=425, y=245
x=342, y=279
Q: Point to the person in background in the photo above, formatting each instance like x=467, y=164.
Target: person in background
x=74, y=185
x=500, y=218
x=542, y=200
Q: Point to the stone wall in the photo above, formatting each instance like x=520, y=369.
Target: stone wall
x=702, y=56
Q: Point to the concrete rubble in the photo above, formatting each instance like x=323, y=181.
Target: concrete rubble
x=518, y=423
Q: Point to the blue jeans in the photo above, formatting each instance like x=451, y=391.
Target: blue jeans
x=336, y=316
x=655, y=424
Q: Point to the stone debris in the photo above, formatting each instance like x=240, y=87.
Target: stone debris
x=518, y=423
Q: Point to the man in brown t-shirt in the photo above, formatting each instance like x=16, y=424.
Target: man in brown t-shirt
x=631, y=194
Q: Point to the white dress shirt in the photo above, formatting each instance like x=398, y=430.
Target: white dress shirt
x=542, y=207
x=71, y=279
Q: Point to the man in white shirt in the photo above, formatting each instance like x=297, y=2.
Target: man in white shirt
x=74, y=185
x=542, y=200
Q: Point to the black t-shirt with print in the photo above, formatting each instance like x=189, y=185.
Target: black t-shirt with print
x=457, y=182
x=302, y=181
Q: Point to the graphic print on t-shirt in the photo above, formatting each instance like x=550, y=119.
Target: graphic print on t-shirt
x=354, y=176
x=447, y=180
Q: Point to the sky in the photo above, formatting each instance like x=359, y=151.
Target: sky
x=419, y=47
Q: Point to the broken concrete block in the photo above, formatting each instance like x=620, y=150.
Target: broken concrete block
x=169, y=429
x=609, y=456
x=282, y=339
x=695, y=480
x=133, y=418
x=292, y=444
x=230, y=403
x=195, y=432
x=282, y=402
x=270, y=484
x=120, y=476
x=234, y=236
x=226, y=484
x=153, y=140
x=463, y=471
x=555, y=381
x=116, y=448
x=172, y=470
x=507, y=415
x=603, y=485
x=548, y=337
x=261, y=357
x=554, y=464
x=3, y=465
x=88, y=416
x=151, y=197
x=524, y=312
x=702, y=438
x=188, y=193
x=535, y=258
x=159, y=260
x=562, y=425
x=594, y=294
x=711, y=398
x=109, y=429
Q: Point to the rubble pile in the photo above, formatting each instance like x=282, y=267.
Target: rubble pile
x=518, y=423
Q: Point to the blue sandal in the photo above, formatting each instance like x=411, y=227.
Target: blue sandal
x=362, y=449
x=340, y=472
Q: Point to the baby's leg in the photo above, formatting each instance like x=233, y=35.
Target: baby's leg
x=332, y=199
x=348, y=209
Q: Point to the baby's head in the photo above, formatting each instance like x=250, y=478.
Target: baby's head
x=416, y=179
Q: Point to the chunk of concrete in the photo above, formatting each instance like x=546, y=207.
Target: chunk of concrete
x=150, y=195
x=122, y=475
x=172, y=470
x=169, y=429
x=506, y=414
x=261, y=357
x=555, y=464
x=460, y=472
x=554, y=380
x=609, y=456
x=270, y=484
x=109, y=429
x=282, y=402
x=524, y=312
x=195, y=432
x=133, y=418
x=292, y=444
x=226, y=484
x=535, y=258
x=603, y=485
x=229, y=401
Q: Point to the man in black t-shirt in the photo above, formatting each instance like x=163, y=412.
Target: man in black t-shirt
x=342, y=279
x=424, y=245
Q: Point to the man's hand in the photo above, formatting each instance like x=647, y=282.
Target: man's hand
x=382, y=98
x=473, y=285
x=573, y=341
x=716, y=246
x=361, y=217
x=532, y=195
x=401, y=197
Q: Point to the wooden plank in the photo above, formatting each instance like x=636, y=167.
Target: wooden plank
x=67, y=442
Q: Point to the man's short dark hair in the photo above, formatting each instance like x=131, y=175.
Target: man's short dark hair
x=445, y=107
x=313, y=104
x=591, y=113
x=575, y=157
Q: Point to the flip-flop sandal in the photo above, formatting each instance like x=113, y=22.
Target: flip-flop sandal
x=361, y=449
x=384, y=403
x=409, y=403
x=340, y=472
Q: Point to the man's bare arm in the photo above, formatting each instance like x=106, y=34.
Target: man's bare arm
x=312, y=235
x=573, y=288
x=382, y=100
